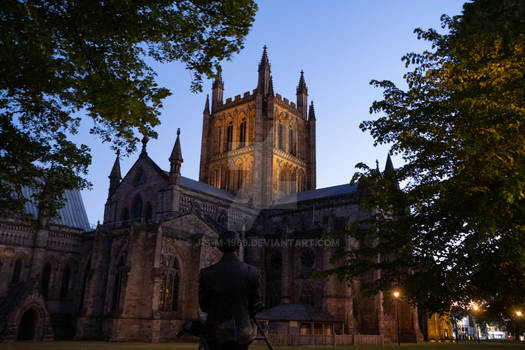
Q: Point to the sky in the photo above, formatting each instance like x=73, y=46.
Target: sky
x=340, y=44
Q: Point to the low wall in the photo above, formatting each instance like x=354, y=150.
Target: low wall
x=300, y=340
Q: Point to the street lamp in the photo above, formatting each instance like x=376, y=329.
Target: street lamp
x=518, y=316
x=475, y=307
x=396, y=295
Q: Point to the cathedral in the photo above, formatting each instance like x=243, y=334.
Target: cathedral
x=135, y=276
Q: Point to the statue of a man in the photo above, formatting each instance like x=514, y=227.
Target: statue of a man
x=229, y=293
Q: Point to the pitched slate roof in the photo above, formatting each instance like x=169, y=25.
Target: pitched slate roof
x=296, y=312
x=73, y=214
x=317, y=194
x=204, y=188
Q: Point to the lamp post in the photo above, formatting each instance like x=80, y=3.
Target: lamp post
x=396, y=295
x=475, y=308
x=518, y=316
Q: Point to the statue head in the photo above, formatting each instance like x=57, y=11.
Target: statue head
x=229, y=241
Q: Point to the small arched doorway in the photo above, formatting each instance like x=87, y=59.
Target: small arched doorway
x=26, y=329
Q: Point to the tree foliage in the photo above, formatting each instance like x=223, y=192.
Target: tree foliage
x=455, y=232
x=62, y=59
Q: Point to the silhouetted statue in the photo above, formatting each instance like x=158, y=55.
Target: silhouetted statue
x=229, y=293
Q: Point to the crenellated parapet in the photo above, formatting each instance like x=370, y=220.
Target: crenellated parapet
x=236, y=101
x=286, y=104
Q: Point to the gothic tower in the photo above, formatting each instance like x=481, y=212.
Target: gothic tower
x=259, y=145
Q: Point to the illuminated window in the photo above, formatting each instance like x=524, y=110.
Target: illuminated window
x=229, y=136
x=169, y=289
x=280, y=141
x=291, y=140
x=242, y=133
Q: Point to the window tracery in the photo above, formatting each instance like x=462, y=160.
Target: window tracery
x=170, y=283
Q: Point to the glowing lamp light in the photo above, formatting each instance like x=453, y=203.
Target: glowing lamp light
x=396, y=294
x=518, y=313
x=475, y=307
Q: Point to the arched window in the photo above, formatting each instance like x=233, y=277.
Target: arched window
x=137, y=210
x=229, y=136
x=224, y=179
x=218, y=139
x=46, y=276
x=169, y=292
x=300, y=181
x=217, y=178
x=240, y=177
x=291, y=141
x=242, y=133
x=117, y=285
x=140, y=178
x=280, y=136
x=87, y=276
x=64, y=287
x=17, y=271
x=148, y=213
x=125, y=216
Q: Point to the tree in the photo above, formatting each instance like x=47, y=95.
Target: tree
x=455, y=232
x=61, y=60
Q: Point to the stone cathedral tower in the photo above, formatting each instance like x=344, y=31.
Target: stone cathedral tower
x=259, y=145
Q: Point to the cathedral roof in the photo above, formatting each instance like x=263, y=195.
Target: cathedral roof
x=296, y=312
x=317, y=194
x=205, y=188
x=73, y=214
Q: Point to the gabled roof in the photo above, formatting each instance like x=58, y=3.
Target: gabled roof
x=73, y=214
x=205, y=188
x=317, y=194
x=296, y=312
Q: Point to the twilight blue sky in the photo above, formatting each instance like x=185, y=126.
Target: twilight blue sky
x=340, y=44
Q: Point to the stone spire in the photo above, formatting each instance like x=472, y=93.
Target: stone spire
x=270, y=89
x=389, y=166
x=217, y=92
x=264, y=58
x=311, y=112
x=312, y=162
x=176, y=161
x=301, y=88
x=302, y=96
x=114, y=176
x=263, y=84
x=207, y=105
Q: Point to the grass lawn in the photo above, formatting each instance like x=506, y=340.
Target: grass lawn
x=87, y=345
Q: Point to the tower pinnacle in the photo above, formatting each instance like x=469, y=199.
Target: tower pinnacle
x=311, y=112
x=263, y=84
x=264, y=58
x=302, y=96
x=175, y=161
x=114, y=176
x=207, y=105
x=301, y=88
